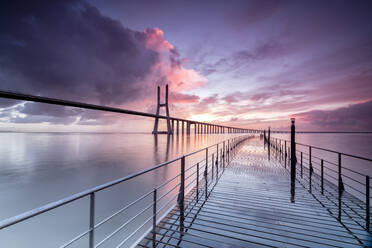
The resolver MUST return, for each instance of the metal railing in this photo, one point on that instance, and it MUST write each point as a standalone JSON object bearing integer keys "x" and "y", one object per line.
{"x": 216, "y": 158}
{"x": 339, "y": 179}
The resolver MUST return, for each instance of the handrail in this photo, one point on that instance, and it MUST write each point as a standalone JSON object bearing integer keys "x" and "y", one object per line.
{"x": 329, "y": 150}
{"x": 37, "y": 211}
{"x": 18, "y": 218}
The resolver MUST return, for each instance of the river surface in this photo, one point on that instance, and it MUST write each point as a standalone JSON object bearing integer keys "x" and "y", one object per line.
{"x": 38, "y": 168}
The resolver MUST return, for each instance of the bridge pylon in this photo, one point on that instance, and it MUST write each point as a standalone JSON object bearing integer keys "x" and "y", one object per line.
{"x": 159, "y": 105}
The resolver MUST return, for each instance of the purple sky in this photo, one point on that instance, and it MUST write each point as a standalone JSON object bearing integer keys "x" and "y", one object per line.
{"x": 243, "y": 63}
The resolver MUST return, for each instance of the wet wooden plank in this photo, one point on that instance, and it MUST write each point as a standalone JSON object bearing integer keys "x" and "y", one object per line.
{"x": 250, "y": 206}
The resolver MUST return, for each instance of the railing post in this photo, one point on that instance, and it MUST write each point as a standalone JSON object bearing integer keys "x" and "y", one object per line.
{"x": 221, "y": 159}
{"x": 293, "y": 160}
{"x": 212, "y": 166}
{"x": 181, "y": 200}
{"x": 367, "y": 204}
{"x": 285, "y": 154}
{"x": 224, "y": 155}
{"x": 154, "y": 219}
{"x": 276, "y": 148}
{"x": 322, "y": 176}
{"x": 280, "y": 151}
{"x": 91, "y": 219}
{"x": 228, "y": 150}
{"x": 217, "y": 163}
{"x": 339, "y": 186}
{"x": 197, "y": 182}
{"x": 216, "y": 169}
{"x": 301, "y": 166}
{"x": 310, "y": 169}
{"x": 206, "y": 173}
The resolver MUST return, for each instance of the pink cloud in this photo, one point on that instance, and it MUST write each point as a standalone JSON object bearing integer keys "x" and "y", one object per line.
{"x": 176, "y": 97}
{"x": 155, "y": 40}
{"x": 169, "y": 68}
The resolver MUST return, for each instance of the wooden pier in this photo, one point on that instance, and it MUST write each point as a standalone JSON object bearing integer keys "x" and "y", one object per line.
{"x": 249, "y": 205}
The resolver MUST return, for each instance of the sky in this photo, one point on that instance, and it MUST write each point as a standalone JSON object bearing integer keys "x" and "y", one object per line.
{"x": 249, "y": 64}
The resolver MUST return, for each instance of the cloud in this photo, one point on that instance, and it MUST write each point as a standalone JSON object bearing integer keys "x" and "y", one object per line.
{"x": 267, "y": 50}
{"x": 355, "y": 117}
{"x": 7, "y": 102}
{"x": 176, "y": 97}
{"x": 252, "y": 12}
{"x": 69, "y": 50}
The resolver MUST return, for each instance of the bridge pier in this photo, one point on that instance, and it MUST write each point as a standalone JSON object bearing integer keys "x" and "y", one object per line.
{"x": 182, "y": 124}
{"x": 159, "y": 105}
{"x": 178, "y": 126}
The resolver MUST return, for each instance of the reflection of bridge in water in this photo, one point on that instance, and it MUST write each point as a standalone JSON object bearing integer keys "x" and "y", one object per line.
{"x": 247, "y": 191}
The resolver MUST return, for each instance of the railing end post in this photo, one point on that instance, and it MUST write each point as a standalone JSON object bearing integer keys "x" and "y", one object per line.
{"x": 91, "y": 219}
{"x": 367, "y": 203}
{"x": 154, "y": 218}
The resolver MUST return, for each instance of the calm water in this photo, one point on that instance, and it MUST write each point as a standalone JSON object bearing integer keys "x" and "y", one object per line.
{"x": 37, "y": 168}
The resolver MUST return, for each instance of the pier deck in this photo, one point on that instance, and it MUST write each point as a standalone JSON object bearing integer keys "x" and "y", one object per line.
{"x": 250, "y": 206}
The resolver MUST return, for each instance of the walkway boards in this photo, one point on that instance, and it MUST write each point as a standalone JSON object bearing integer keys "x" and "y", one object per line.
{"x": 250, "y": 207}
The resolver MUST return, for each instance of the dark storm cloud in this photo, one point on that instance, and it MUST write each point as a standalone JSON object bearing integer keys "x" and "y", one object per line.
{"x": 49, "y": 110}
{"x": 67, "y": 49}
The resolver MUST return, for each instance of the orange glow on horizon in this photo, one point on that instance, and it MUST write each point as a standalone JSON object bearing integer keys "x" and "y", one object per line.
{"x": 204, "y": 117}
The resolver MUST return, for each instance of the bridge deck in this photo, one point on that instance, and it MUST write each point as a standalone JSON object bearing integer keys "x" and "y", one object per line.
{"x": 250, "y": 206}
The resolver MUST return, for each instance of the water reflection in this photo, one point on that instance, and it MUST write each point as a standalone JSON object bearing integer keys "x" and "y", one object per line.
{"x": 39, "y": 168}
{"x": 169, "y": 138}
